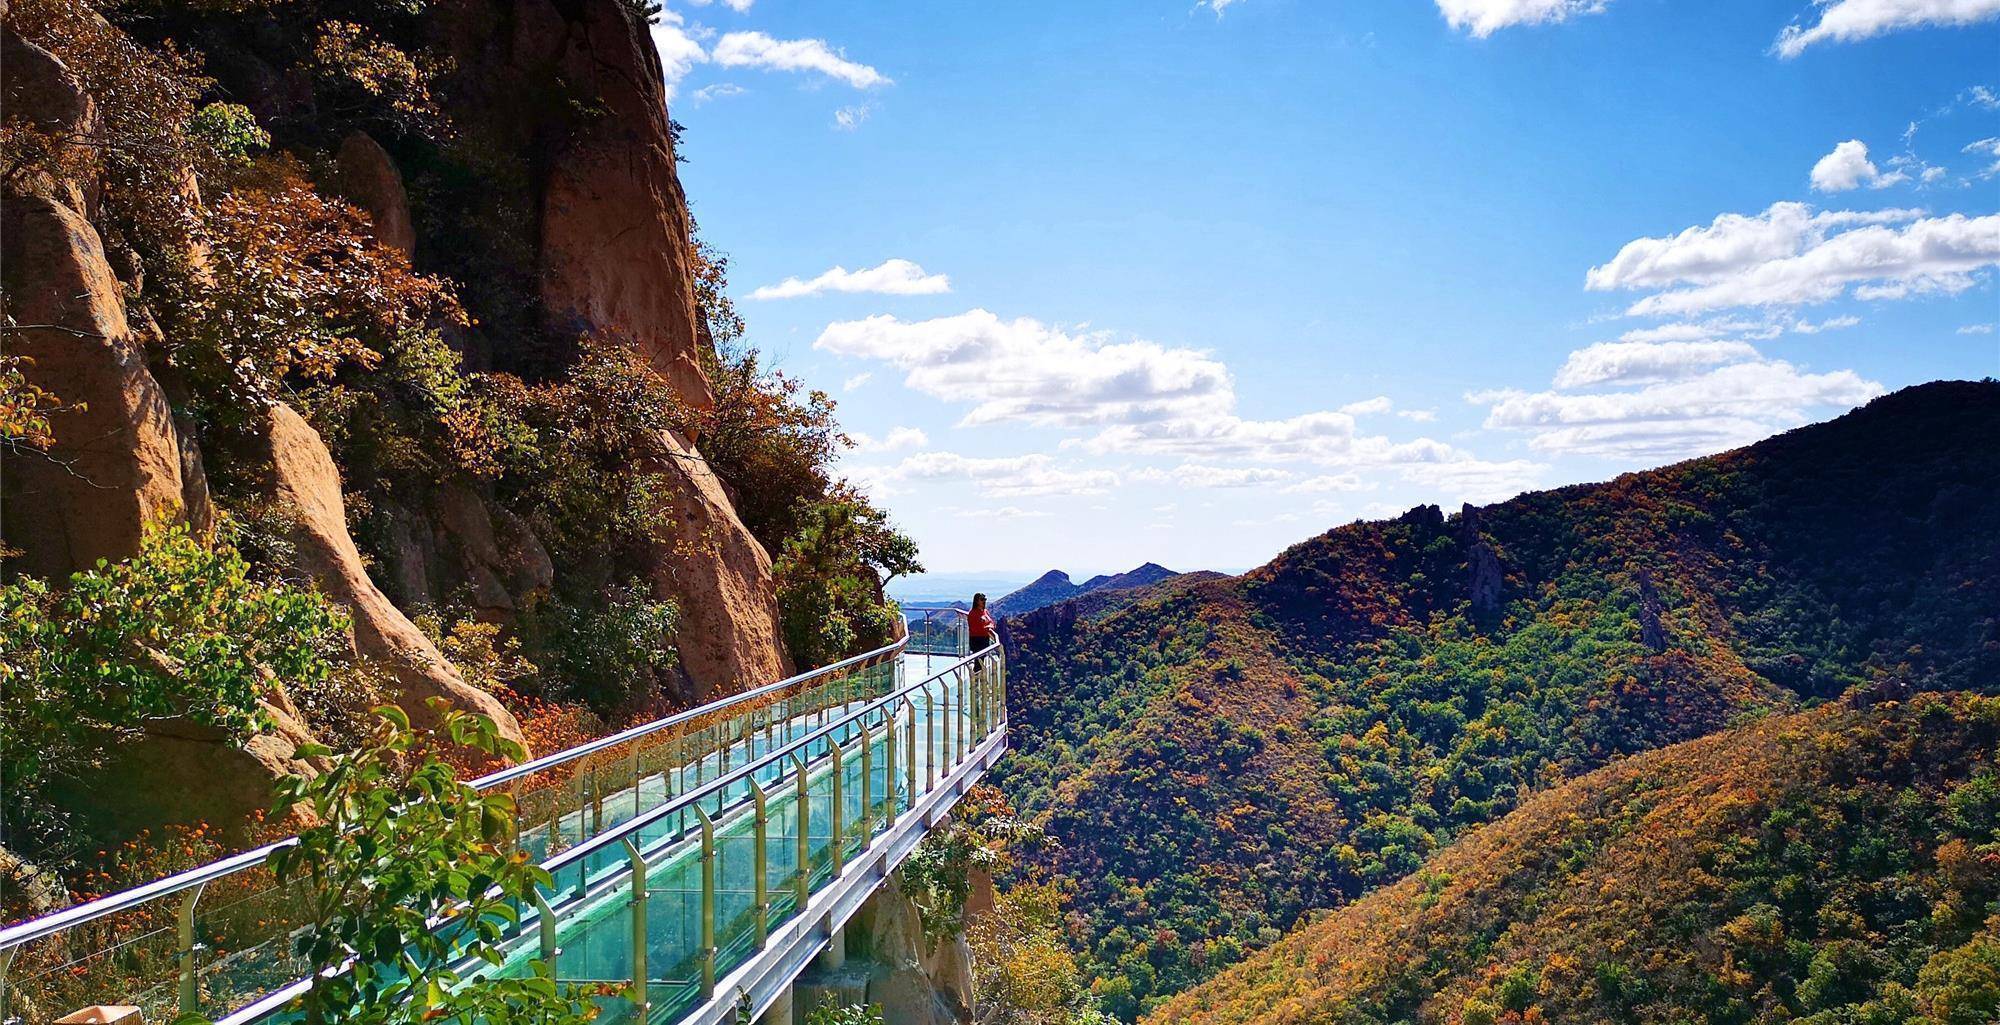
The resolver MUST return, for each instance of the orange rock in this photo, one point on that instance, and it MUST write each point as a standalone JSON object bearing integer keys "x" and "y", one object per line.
{"x": 306, "y": 484}
{"x": 369, "y": 180}
{"x": 116, "y": 462}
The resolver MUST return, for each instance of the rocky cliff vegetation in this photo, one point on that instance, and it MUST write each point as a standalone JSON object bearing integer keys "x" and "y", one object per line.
{"x": 385, "y": 324}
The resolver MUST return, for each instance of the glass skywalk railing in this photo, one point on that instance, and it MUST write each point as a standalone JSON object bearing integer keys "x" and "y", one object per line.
{"x": 665, "y": 903}
{"x": 936, "y": 630}
{"x": 215, "y": 938}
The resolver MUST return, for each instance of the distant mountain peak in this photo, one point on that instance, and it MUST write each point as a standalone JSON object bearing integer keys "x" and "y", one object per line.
{"x": 1056, "y": 586}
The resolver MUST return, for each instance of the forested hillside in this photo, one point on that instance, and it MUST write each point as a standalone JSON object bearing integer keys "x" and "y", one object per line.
{"x": 1219, "y": 761}
{"x": 1827, "y": 867}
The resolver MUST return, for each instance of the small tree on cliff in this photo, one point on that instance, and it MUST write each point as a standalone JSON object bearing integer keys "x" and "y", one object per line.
{"x": 829, "y": 594}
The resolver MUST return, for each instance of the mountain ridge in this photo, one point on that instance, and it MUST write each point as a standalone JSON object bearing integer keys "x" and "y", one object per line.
{"x": 1056, "y": 586}
{"x": 1220, "y": 759}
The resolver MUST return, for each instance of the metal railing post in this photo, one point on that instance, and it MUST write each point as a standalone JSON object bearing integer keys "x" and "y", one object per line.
{"x": 184, "y": 933}
{"x": 973, "y": 701}
{"x": 596, "y": 790}
{"x": 545, "y": 922}
{"x": 707, "y": 905}
{"x": 637, "y": 806}
{"x": 889, "y": 766}
{"x": 867, "y": 822}
{"x": 802, "y": 884}
{"x": 951, "y": 707}
{"x": 641, "y": 978}
{"x": 513, "y": 842}
{"x": 933, "y": 750}
{"x": 839, "y": 812}
{"x": 6, "y": 963}
{"x": 762, "y": 907}
{"x": 962, "y": 718}
{"x": 910, "y": 736}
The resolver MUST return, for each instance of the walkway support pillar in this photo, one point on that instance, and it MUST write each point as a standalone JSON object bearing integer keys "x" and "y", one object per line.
{"x": 780, "y": 1011}
{"x": 834, "y": 957}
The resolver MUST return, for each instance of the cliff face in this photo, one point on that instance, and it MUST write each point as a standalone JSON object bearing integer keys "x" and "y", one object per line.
{"x": 572, "y": 93}
{"x": 614, "y": 259}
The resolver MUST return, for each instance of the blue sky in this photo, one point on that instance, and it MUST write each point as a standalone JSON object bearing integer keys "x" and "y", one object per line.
{"x": 1102, "y": 283}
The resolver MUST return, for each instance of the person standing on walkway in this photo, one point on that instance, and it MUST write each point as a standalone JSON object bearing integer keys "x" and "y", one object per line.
{"x": 979, "y": 624}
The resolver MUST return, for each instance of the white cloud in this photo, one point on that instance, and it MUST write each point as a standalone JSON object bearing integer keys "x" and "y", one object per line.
{"x": 1003, "y": 512}
{"x": 757, "y": 50}
{"x": 896, "y": 440}
{"x": 1628, "y": 363}
{"x": 1976, "y": 329}
{"x": 1692, "y": 415}
{"x": 1422, "y": 416}
{"x": 1990, "y": 148}
{"x": 1026, "y": 371}
{"x": 739, "y": 6}
{"x": 856, "y": 381}
{"x": 891, "y": 277}
{"x": 679, "y": 51}
{"x": 1139, "y": 398}
{"x": 1320, "y": 437}
{"x": 1482, "y": 18}
{"x": 1848, "y": 167}
{"x": 1474, "y": 480}
{"x": 1218, "y": 6}
{"x": 1807, "y": 327}
{"x": 718, "y": 91}
{"x": 1982, "y": 97}
{"x": 1197, "y": 475}
{"x": 1789, "y": 255}
{"x": 848, "y": 119}
{"x": 1846, "y": 21}
{"x": 1698, "y": 330}
{"x": 1011, "y": 476}
{"x": 1274, "y": 519}
{"x": 1329, "y": 482}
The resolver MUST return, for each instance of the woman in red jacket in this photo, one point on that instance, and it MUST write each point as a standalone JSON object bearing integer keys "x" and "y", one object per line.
{"x": 979, "y": 624}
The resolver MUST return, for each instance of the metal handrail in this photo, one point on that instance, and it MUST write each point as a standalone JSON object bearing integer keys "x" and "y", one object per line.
{"x": 621, "y": 835}
{"x": 508, "y": 775}
{"x": 721, "y": 783}
{"x": 23, "y": 933}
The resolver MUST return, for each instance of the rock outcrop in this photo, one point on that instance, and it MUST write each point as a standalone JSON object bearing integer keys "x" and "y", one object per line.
{"x": 720, "y": 578}
{"x": 36, "y": 87}
{"x": 1483, "y": 574}
{"x": 891, "y": 965}
{"x": 369, "y": 180}
{"x": 180, "y": 772}
{"x": 614, "y": 257}
{"x": 914, "y": 981}
{"x": 116, "y": 463}
{"x": 1652, "y": 611}
{"x": 306, "y": 485}
{"x": 616, "y": 261}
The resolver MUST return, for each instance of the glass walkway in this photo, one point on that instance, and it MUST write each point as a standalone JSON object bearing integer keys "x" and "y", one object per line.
{"x": 696, "y": 860}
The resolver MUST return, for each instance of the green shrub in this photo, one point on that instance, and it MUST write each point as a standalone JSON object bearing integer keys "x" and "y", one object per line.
{"x": 180, "y": 629}
{"x": 391, "y": 854}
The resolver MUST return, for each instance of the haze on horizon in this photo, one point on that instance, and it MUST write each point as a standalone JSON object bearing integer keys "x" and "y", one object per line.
{"x": 1189, "y": 284}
